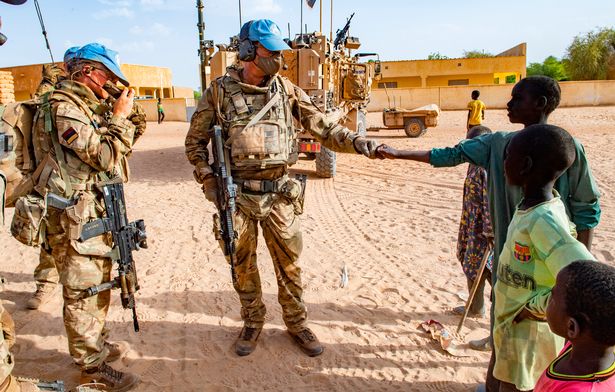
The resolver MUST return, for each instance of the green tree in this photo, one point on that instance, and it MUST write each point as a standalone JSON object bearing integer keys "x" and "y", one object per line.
{"x": 474, "y": 54}
{"x": 437, "y": 56}
{"x": 551, "y": 67}
{"x": 591, "y": 56}
{"x": 197, "y": 95}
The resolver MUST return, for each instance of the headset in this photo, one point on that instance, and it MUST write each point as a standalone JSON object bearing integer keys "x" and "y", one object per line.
{"x": 247, "y": 49}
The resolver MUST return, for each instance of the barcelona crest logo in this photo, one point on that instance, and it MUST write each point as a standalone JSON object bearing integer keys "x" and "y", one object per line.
{"x": 522, "y": 253}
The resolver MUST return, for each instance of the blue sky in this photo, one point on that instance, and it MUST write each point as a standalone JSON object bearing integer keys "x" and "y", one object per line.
{"x": 163, "y": 32}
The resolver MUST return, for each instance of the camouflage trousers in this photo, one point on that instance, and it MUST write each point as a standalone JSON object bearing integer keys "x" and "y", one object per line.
{"x": 45, "y": 272}
{"x": 281, "y": 230}
{"x": 84, "y": 318}
{"x": 7, "y": 337}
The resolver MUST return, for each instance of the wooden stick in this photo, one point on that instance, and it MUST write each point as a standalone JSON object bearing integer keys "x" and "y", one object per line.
{"x": 475, "y": 285}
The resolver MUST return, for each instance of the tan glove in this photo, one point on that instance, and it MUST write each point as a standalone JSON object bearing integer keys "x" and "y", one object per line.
{"x": 137, "y": 117}
{"x": 52, "y": 73}
{"x": 210, "y": 188}
{"x": 366, "y": 147}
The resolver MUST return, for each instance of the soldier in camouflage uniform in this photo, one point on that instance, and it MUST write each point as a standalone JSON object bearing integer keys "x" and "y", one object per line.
{"x": 84, "y": 140}
{"x": 8, "y": 383}
{"x": 263, "y": 144}
{"x": 45, "y": 274}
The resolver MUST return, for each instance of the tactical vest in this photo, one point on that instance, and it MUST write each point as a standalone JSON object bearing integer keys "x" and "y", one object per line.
{"x": 259, "y": 126}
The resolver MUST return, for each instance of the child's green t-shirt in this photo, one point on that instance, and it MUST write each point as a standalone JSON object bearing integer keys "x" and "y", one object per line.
{"x": 540, "y": 242}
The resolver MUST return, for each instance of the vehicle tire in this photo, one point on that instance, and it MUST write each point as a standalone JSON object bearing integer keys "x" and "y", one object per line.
{"x": 325, "y": 163}
{"x": 361, "y": 124}
{"x": 414, "y": 127}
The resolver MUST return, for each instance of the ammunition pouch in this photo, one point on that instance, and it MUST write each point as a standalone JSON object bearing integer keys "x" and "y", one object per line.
{"x": 29, "y": 224}
{"x": 261, "y": 145}
{"x": 294, "y": 191}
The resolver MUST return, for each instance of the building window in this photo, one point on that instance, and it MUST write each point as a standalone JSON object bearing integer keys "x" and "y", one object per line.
{"x": 387, "y": 85}
{"x": 511, "y": 79}
{"x": 459, "y": 82}
{"x": 496, "y": 80}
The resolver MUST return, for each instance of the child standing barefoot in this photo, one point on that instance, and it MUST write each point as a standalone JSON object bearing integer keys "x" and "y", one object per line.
{"x": 475, "y": 231}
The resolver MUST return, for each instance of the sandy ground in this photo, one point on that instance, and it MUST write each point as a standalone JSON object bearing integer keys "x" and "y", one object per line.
{"x": 393, "y": 223}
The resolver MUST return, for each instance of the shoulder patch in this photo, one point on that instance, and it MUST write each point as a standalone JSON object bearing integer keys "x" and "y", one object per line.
{"x": 522, "y": 253}
{"x": 70, "y": 135}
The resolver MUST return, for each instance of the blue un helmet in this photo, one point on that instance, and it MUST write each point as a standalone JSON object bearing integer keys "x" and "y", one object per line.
{"x": 99, "y": 53}
{"x": 268, "y": 34}
{"x": 69, "y": 56}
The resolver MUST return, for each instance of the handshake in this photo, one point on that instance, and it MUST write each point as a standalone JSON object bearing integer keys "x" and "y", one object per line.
{"x": 373, "y": 150}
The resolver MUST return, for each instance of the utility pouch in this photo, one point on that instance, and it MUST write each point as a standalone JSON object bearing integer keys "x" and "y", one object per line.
{"x": 28, "y": 224}
{"x": 294, "y": 191}
{"x": 256, "y": 143}
{"x": 78, "y": 215}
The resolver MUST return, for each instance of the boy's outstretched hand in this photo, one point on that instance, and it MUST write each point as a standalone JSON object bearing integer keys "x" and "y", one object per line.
{"x": 388, "y": 152}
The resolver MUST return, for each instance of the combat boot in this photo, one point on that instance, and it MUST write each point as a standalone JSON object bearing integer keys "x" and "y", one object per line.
{"x": 42, "y": 295}
{"x": 117, "y": 350}
{"x": 114, "y": 380}
{"x": 308, "y": 342}
{"x": 246, "y": 342}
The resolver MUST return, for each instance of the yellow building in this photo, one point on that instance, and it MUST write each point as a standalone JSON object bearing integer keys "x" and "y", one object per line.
{"x": 148, "y": 81}
{"x": 508, "y": 66}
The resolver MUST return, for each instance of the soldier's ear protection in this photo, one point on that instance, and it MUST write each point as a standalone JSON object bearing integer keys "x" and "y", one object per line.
{"x": 247, "y": 49}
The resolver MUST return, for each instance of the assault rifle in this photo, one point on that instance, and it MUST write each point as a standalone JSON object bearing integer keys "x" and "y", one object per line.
{"x": 226, "y": 197}
{"x": 127, "y": 237}
{"x": 57, "y": 386}
{"x": 340, "y": 35}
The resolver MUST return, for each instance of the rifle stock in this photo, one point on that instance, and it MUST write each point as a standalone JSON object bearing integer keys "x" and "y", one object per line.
{"x": 226, "y": 196}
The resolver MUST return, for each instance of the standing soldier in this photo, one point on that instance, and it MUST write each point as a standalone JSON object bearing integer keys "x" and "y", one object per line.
{"x": 256, "y": 108}
{"x": 45, "y": 273}
{"x": 83, "y": 140}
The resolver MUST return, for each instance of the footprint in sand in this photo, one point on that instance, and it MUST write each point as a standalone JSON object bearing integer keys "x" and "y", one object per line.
{"x": 607, "y": 256}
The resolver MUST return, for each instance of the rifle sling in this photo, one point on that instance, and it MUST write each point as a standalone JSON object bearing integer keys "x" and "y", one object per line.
{"x": 46, "y": 106}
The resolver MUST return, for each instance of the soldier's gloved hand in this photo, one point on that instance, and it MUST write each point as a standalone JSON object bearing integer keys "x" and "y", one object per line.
{"x": 210, "y": 188}
{"x": 366, "y": 147}
{"x": 51, "y": 73}
{"x": 138, "y": 119}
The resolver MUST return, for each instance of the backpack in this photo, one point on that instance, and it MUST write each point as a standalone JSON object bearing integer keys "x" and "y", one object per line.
{"x": 19, "y": 165}
{"x": 26, "y": 182}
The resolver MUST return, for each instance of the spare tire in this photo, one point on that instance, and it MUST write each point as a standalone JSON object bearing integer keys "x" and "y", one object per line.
{"x": 414, "y": 126}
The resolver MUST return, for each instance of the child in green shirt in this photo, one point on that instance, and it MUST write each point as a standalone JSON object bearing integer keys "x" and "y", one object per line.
{"x": 541, "y": 241}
